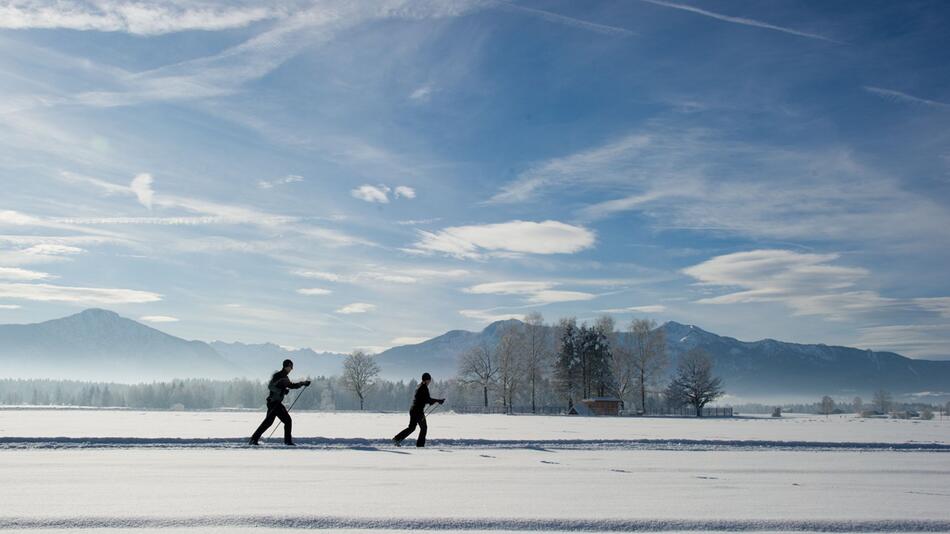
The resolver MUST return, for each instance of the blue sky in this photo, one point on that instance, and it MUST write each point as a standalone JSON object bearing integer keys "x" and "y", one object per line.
{"x": 359, "y": 175}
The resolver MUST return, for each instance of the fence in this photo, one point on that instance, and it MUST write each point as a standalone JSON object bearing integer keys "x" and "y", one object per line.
{"x": 686, "y": 411}
{"x": 511, "y": 410}
{"x": 689, "y": 411}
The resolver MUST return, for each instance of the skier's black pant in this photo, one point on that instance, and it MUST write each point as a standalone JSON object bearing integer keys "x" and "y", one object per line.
{"x": 274, "y": 410}
{"x": 415, "y": 419}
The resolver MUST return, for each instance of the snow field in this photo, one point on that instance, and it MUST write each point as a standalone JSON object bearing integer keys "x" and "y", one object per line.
{"x": 474, "y": 476}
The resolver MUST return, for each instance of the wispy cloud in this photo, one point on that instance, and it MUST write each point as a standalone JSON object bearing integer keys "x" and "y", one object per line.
{"x": 270, "y": 184}
{"x": 513, "y": 237}
{"x": 898, "y": 96}
{"x": 594, "y": 165}
{"x": 914, "y": 340}
{"x": 704, "y": 181}
{"x": 417, "y": 222}
{"x": 357, "y": 307}
{"x": 10, "y": 306}
{"x": 158, "y": 319}
{"x": 404, "y": 191}
{"x": 422, "y": 94}
{"x": 740, "y": 20}
{"x": 319, "y": 275}
{"x": 567, "y": 21}
{"x": 14, "y": 273}
{"x": 380, "y": 193}
{"x": 81, "y": 295}
{"x": 809, "y": 284}
{"x": 141, "y": 186}
{"x": 314, "y": 291}
{"x": 533, "y": 292}
{"x": 653, "y": 308}
{"x": 210, "y": 212}
{"x": 131, "y": 17}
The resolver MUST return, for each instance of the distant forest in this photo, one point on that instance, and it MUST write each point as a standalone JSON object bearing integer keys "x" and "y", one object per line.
{"x": 325, "y": 393}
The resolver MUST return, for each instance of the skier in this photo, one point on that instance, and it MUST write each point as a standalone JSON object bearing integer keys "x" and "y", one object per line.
{"x": 417, "y": 415}
{"x": 278, "y": 386}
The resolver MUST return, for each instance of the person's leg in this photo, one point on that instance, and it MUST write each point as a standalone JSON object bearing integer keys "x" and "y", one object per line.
{"x": 421, "y": 441}
{"x": 408, "y": 430}
{"x": 268, "y": 421}
{"x": 284, "y": 417}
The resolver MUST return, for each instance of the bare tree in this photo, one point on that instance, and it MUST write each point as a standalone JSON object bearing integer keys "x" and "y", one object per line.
{"x": 509, "y": 358}
{"x": 694, "y": 383}
{"x": 621, "y": 365}
{"x": 648, "y": 347}
{"x": 883, "y": 400}
{"x": 827, "y": 405}
{"x": 857, "y": 405}
{"x": 478, "y": 366}
{"x": 535, "y": 355}
{"x": 359, "y": 373}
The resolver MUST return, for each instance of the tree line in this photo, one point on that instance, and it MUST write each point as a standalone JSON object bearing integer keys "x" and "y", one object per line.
{"x": 582, "y": 361}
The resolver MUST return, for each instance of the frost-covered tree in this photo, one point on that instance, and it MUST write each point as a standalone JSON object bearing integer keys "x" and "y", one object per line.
{"x": 694, "y": 383}
{"x": 883, "y": 400}
{"x": 510, "y": 359}
{"x": 536, "y": 355}
{"x": 648, "y": 355}
{"x": 857, "y": 405}
{"x": 827, "y": 405}
{"x": 478, "y": 366}
{"x": 359, "y": 372}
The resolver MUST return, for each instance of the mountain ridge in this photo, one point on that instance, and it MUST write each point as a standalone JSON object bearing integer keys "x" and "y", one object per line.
{"x": 102, "y": 344}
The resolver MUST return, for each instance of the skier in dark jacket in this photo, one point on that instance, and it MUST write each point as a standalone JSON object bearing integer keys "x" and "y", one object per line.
{"x": 417, "y": 415}
{"x": 279, "y": 386}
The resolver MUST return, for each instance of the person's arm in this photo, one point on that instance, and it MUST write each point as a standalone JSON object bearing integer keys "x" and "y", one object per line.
{"x": 295, "y": 385}
{"x": 429, "y": 400}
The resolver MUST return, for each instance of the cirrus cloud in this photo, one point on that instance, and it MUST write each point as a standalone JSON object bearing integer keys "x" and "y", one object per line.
{"x": 313, "y": 291}
{"x": 500, "y": 239}
{"x": 80, "y": 295}
{"x": 158, "y": 319}
{"x": 357, "y": 307}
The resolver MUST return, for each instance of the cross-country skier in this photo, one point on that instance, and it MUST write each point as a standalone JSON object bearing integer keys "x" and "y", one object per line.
{"x": 279, "y": 386}
{"x": 417, "y": 415}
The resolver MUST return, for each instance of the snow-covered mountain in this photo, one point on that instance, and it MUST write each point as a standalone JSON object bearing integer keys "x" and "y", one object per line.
{"x": 770, "y": 367}
{"x": 101, "y": 345}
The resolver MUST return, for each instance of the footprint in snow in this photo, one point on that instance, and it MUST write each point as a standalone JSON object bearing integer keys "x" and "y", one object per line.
{"x": 548, "y": 462}
{"x": 620, "y": 471}
{"x": 486, "y": 456}
{"x": 708, "y": 478}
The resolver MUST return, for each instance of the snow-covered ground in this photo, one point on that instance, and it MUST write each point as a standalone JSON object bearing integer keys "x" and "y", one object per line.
{"x": 481, "y": 473}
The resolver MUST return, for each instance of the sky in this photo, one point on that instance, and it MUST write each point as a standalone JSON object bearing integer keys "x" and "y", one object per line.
{"x": 360, "y": 175}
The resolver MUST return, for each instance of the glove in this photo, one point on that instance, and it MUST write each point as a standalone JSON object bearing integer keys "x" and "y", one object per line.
{"x": 441, "y": 401}
{"x": 306, "y": 382}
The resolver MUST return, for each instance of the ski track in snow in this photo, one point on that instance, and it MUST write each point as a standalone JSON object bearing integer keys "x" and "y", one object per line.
{"x": 471, "y": 524}
{"x": 14, "y": 443}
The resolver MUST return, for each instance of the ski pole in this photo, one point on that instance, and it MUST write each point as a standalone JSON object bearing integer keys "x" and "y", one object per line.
{"x": 434, "y": 408}
{"x": 288, "y": 411}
